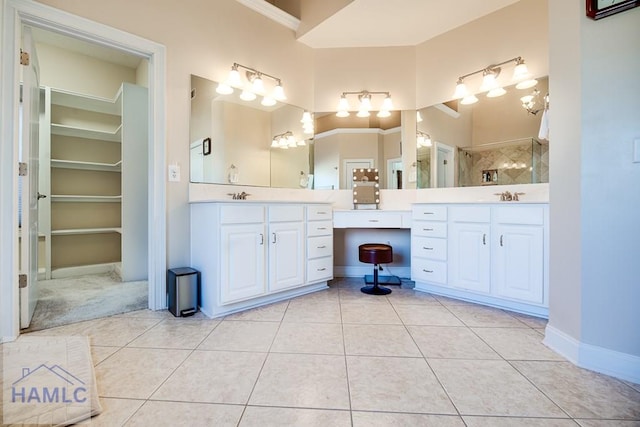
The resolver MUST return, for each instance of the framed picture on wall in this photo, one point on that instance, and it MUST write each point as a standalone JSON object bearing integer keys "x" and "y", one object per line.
{"x": 597, "y": 9}
{"x": 206, "y": 146}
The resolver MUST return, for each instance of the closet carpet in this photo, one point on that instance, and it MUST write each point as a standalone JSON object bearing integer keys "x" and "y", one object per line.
{"x": 74, "y": 299}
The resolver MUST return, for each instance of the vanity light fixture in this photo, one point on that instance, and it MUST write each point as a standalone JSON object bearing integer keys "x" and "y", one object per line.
{"x": 490, "y": 82}
{"x": 252, "y": 85}
{"x": 365, "y": 106}
{"x": 423, "y": 139}
{"x": 533, "y": 104}
{"x": 286, "y": 140}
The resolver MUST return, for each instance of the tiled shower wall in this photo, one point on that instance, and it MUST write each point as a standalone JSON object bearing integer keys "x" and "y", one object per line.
{"x": 524, "y": 163}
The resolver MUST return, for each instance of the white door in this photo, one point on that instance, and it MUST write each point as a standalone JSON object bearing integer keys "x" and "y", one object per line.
{"x": 469, "y": 256}
{"x": 349, "y": 166}
{"x": 242, "y": 262}
{"x": 443, "y": 170}
{"x": 394, "y": 174}
{"x": 286, "y": 255}
{"x": 29, "y": 131}
{"x": 518, "y": 256}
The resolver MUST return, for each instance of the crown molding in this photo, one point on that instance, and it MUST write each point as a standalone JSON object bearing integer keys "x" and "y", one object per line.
{"x": 270, "y": 11}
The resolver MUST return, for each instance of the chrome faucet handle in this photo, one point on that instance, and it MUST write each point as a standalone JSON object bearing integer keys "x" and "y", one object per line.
{"x": 516, "y": 197}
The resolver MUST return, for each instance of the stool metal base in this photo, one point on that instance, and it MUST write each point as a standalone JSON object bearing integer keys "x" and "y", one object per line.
{"x": 375, "y": 290}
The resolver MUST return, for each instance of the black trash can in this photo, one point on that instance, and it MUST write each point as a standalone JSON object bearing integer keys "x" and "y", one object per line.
{"x": 183, "y": 285}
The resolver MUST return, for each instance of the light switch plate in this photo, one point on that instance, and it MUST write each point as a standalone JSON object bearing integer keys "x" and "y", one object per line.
{"x": 174, "y": 173}
{"x": 636, "y": 150}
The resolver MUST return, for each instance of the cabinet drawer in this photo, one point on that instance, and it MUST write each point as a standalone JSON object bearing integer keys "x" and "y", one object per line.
{"x": 319, "y": 212}
{"x": 529, "y": 215}
{"x": 318, "y": 247}
{"x": 470, "y": 214}
{"x": 429, "y": 212}
{"x": 429, "y": 229}
{"x": 319, "y": 228}
{"x": 319, "y": 269}
{"x": 286, "y": 213}
{"x": 427, "y": 247}
{"x": 241, "y": 214}
{"x": 425, "y": 270}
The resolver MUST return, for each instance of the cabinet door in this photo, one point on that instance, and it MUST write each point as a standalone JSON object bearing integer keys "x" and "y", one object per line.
{"x": 286, "y": 255}
{"x": 469, "y": 256}
{"x": 518, "y": 262}
{"x": 242, "y": 262}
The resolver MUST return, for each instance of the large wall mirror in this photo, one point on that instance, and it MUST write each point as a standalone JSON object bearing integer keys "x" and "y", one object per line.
{"x": 342, "y": 144}
{"x": 494, "y": 141}
{"x": 245, "y": 143}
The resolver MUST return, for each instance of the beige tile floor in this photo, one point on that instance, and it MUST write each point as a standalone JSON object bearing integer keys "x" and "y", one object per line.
{"x": 342, "y": 358}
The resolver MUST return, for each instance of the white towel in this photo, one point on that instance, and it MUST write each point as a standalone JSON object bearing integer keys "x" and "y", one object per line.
{"x": 543, "y": 133}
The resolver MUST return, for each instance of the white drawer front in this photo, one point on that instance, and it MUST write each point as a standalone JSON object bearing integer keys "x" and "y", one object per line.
{"x": 318, "y": 247}
{"x": 429, "y": 212}
{"x": 319, "y": 212}
{"x": 286, "y": 213}
{"x": 241, "y": 214}
{"x": 470, "y": 214}
{"x": 319, "y": 228}
{"x": 320, "y": 269}
{"x": 529, "y": 215}
{"x": 425, "y": 270}
{"x": 427, "y": 247}
{"x": 429, "y": 229}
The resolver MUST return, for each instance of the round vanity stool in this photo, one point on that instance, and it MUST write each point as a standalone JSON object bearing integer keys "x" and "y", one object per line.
{"x": 375, "y": 253}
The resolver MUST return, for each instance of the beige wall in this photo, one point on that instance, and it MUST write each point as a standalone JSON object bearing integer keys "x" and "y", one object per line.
{"x": 205, "y": 39}
{"x": 517, "y": 30}
{"x": 63, "y": 69}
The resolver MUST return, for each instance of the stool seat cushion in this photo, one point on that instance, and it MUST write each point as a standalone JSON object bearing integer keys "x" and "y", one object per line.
{"x": 375, "y": 253}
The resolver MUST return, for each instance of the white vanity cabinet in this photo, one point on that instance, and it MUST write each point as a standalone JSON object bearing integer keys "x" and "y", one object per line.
{"x": 470, "y": 248}
{"x": 286, "y": 246}
{"x": 319, "y": 243}
{"x": 496, "y": 254}
{"x": 429, "y": 244}
{"x": 250, "y": 254}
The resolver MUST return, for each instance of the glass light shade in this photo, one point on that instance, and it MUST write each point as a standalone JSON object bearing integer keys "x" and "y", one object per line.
{"x": 274, "y": 143}
{"x": 247, "y": 95}
{"x": 363, "y": 113}
{"x": 342, "y": 113}
{"x": 234, "y": 78}
{"x": 468, "y": 100}
{"x": 306, "y": 117}
{"x": 224, "y": 89}
{"x": 383, "y": 113}
{"x": 257, "y": 85}
{"x": 418, "y": 117}
{"x": 343, "y": 104}
{"x": 302, "y": 143}
{"x": 284, "y": 147}
{"x": 520, "y": 71}
{"x": 267, "y": 101}
{"x": 494, "y": 93}
{"x": 282, "y": 142}
{"x": 427, "y": 142}
{"x": 488, "y": 82}
{"x": 387, "y": 104}
{"x": 526, "y": 84}
{"x": 365, "y": 103}
{"x": 461, "y": 91}
{"x": 278, "y": 92}
{"x": 526, "y": 99}
{"x": 420, "y": 141}
{"x": 307, "y": 130}
{"x": 292, "y": 142}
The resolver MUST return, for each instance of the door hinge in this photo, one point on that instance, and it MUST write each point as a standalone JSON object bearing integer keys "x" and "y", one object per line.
{"x": 22, "y": 280}
{"x": 24, "y": 57}
{"x": 22, "y": 169}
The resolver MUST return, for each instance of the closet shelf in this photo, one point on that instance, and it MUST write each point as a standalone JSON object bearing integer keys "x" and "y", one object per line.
{"x": 79, "y": 198}
{"x": 64, "y": 130}
{"x": 93, "y": 166}
{"x": 75, "y": 231}
{"x": 84, "y": 102}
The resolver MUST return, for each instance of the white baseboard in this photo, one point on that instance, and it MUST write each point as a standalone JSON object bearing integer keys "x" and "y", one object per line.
{"x": 609, "y": 362}
{"x": 358, "y": 271}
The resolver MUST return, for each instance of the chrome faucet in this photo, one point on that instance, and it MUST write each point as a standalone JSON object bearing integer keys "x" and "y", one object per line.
{"x": 239, "y": 196}
{"x": 506, "y": 196}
